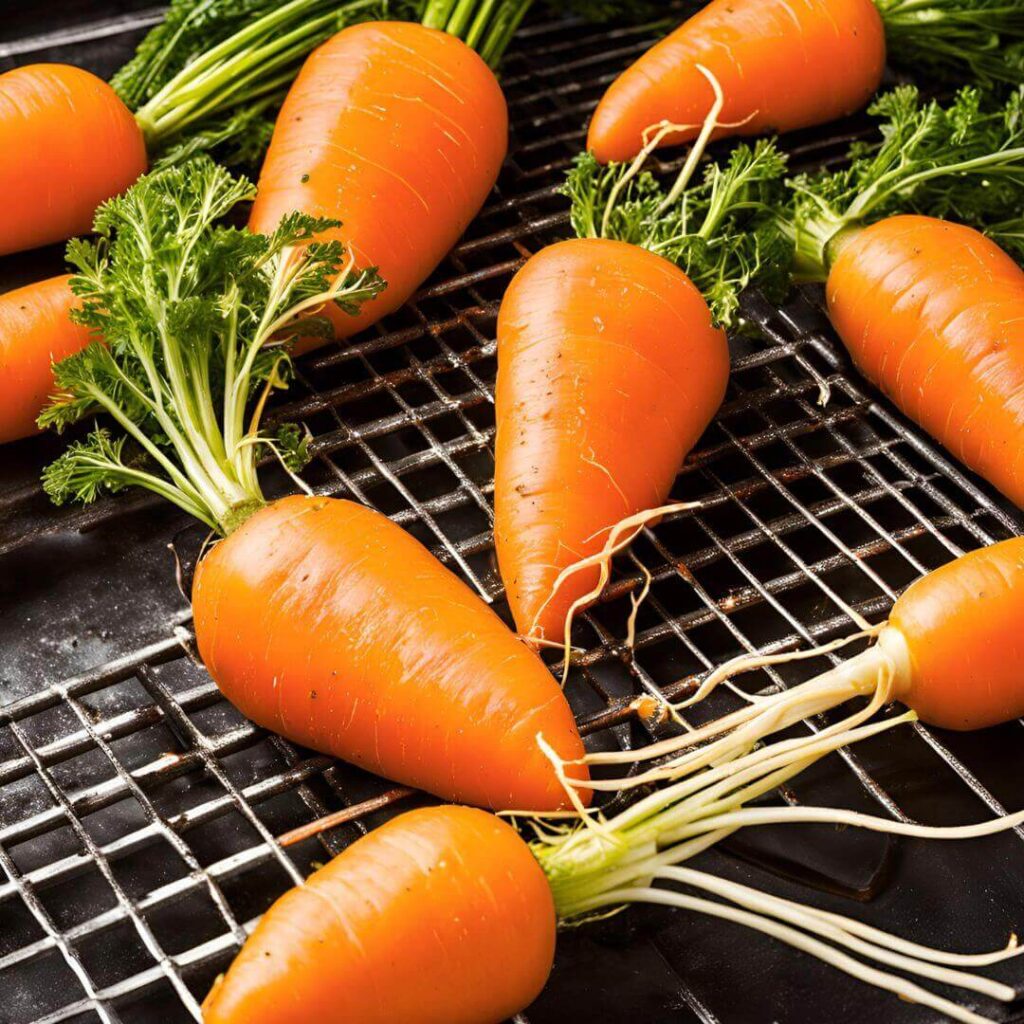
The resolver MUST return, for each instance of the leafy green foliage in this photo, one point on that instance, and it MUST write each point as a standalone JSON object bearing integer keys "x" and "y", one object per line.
{"x": 194, "y": 315}
{"x": 87, "y": 469}
{"x": 964, "y": 161}
{"x": 957, "y": 40}
{"x": 720, "y": 231}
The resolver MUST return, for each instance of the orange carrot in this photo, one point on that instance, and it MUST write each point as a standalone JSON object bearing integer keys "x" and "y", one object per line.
{"x": 318, "y": 618}
{"x": 326, "y": 622}
{"x": 961, "y": 625}
{"x": 931, "y": 313}
{"x": 441, "y": 916}
{"x": 397, "y": 130}
{"x": 69, "y": 143}
{"x": 782, "y": 64}
{"x": 445, "y": 916}
{"x": 609, "y": 370}
{"x": 35, "y": 332}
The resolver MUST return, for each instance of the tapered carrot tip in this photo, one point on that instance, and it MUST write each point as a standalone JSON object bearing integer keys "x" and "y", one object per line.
{"x": 35, "y": 332}
{"x": 327, "y": 623}
{"x": 397, "y": 130}
{"x": 609, "y": 370}
{"x": 69, "y": 143}
{"x": 441, "y": 916}
{"x": 781, "y": 66}
{"x": 962, "y": 628}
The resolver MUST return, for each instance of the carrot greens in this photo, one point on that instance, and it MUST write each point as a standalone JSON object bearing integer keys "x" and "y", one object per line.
{"x": 717, "y": 229}
{"x": 980, "y": 40}
{"x": 964, "y": 161}
{"x": 195, "y": 317}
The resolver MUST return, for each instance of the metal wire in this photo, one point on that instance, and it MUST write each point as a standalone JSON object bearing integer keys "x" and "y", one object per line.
{"x": 808, "y": 511}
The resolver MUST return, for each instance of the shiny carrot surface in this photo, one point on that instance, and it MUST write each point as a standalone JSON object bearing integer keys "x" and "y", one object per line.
{"x": 782, "y": 65}
{"x": 397, "y": 130}
{"x": 931, "y": 312}
{"x": 441, "y": 916}
{"x": 35, "y": 332}
{"x": 326, "y": 622}
{"x": 68, "y": 143}
{"x": 962, "y": 625}
{"x": 609, "y": 370}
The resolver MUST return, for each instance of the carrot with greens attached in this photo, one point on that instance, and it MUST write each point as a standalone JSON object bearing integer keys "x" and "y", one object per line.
{"x": 445, "y": 916}
{"x": 612, "y": 361}
{"x": 319, "y": 618}
{"x": 35, "y": 332}
{"x": 788, "y": 64}
{"x": 929, "y": 309}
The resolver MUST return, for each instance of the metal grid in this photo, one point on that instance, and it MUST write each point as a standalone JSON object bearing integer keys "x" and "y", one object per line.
{"x": 138, "y": 810}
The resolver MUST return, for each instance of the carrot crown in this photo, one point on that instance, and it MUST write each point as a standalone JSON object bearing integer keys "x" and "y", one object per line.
{"x": 720, "y": 230}
{"x": 964, "y": 161}
{"x": 979, "y": 40}
{"x": 195, "y": 317}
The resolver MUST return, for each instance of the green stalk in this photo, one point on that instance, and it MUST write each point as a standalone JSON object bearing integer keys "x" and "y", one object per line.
{"x": 486, "y": 25}
{"x": 959, "y": 40}
{"x": 257, "y": 59}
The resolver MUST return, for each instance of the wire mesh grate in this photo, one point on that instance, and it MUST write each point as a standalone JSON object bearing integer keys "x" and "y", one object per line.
{"x": 138, "y": 810}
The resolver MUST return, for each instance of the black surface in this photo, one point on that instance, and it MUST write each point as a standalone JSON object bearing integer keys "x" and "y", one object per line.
{"x": 90, "y": 600}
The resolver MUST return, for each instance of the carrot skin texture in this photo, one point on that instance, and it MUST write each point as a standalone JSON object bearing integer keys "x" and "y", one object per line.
{"x": 782, "y": 65}
{"x": 326, "y": 622}
{"x": 440, "y": 916}
{"x": 931, "y": 313}
{"x": 69, "y": 144}
{"x": 609, "y": 370}
{"x": 35, "y": 333}
{"x": 397, "y": 130}
{"x": 962, "y": 625}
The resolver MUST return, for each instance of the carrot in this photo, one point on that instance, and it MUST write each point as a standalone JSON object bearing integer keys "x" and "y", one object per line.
{"x": 600, "y": 344}
{"x": 612, "y": 361}
{"x": 930, "y": 312}
{"x": 441, "y": 916}
{"x": 788, "y": 64}
{"x": 928, "y": 308}
{"x": 76, "y": 144}
{"x": 399, "y": 131}
{"x": 319, "y": 618}
{"x": 35, "y": 332}
{"x": 782, "y": 65}
{"x": 324, "y": 621}
{"x": 445, "y": 916}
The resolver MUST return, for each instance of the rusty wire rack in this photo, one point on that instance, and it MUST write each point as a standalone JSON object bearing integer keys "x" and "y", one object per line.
{"x": 138, "y": 810}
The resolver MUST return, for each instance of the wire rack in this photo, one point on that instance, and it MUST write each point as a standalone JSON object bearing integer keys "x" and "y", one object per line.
{"x": 138, "y": 810}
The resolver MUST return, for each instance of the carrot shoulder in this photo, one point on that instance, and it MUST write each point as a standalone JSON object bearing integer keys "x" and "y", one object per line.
{"x": 69, "y": 143}
{"x": 782, "y": 64}
{"x": 397, "y": 130}
{"x": 931, "y": 313}
{"x": 35, "y": 332}
{"x": 326, "y": 622}
{"x": 440, "y": 916}
{"x": 609, "y": 370}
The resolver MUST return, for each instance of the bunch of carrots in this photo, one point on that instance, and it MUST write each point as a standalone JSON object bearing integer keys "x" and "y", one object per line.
{"x": 177, "y": 326}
